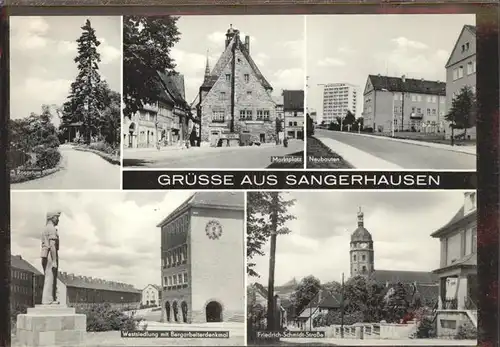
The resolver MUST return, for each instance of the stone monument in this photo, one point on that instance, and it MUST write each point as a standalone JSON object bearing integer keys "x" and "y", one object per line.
{"x": 52, "y": 323}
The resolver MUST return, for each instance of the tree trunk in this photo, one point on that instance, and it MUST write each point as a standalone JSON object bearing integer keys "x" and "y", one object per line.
{"x": 272, "y": 262}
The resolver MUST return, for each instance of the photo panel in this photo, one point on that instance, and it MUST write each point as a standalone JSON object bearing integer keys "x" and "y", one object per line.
{"x": 128, "y": 268}
{"x": 362, "y": 268}
{"x": 214, "y": 92}
{"x": 385, "y": 92}
{"x": 65, "y": 96}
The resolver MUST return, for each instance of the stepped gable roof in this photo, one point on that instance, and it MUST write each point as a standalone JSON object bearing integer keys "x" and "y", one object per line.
{"x": 293, "y": 100}
{"x": 17, "y": 262}
{"x": 71, "y": 280}
{"x": 225, "y": 58}
{"x": 417, "y": 86}
{"x": 456, "y": 219}
{"x": 404, "y": 277}
{"x": 361, "y": 234}
{"x": 224, "y": 200}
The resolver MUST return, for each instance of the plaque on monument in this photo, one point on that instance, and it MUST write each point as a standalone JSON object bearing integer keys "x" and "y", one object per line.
{"x": 51, "y": 323}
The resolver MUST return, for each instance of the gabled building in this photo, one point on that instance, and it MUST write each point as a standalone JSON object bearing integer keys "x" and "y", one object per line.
{"x": 26, "y": 284}
{"x": 151, "y": 295}
{"x": 202, "y": 255}
{"x": 164, "y": 122}
{"x": 413, "y": 104}
{"x": 293, "y": 108}
{"x": 461, "y": 70}
{"x": 458, "y": 291}
{"x": 235, "y": 98}
{"x": 322, "y": 303}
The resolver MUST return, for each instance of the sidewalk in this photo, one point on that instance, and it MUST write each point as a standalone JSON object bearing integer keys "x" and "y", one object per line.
{"x": 471, "y": 150}
{"x": 203, "y": 147}
{"x": 358, "y": 159}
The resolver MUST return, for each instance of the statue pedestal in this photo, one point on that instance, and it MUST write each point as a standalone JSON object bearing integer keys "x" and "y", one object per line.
{"x": 51, "y": 325}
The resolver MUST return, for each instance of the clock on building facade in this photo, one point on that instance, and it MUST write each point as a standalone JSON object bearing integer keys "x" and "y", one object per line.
{"x": 213, "y": 229}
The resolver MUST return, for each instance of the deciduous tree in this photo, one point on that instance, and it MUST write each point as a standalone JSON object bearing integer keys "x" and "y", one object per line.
{"x": 147, "y": 48}
{"x": 259, "y": 227}
{"x": 462, "y": 114}
{"x": 306, "y": 290}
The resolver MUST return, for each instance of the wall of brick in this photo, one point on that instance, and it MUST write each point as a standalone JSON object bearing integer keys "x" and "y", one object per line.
{"x": 218, "y": 270}
{"x": 258, "y": 99}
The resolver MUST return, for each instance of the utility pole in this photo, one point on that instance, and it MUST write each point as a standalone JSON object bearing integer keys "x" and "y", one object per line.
{"x": 272, "y": 263}
{"x": 342, "y": 308}
{"x": 403, "y": 79}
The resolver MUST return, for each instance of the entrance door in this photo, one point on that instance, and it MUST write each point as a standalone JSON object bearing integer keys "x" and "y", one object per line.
{"x": 214, "y": 312}
{"x": 262, "y": 138}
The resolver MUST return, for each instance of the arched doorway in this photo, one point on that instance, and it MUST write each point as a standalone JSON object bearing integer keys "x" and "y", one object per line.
{"x": 176, "y": 311}
{"x": 213, "y": 312}
{"x": 184, "y": 309}
{"x": 131, "y": 131}
{"x": 167, "y": 310}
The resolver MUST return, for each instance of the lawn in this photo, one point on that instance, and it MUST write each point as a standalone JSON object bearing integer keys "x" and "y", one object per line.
{"x": 320, "y": 156}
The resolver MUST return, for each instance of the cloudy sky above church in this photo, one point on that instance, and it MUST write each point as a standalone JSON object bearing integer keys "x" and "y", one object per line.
{"x": 349, "y": 48}
{"x": 41, "y": 59}
{"x": 107, "y": 235}
{"x": 276, "y": 45}
{"x": 400, "y": 224}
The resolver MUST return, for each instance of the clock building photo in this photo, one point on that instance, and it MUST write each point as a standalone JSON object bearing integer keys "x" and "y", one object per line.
{"x": 202, "y": 254}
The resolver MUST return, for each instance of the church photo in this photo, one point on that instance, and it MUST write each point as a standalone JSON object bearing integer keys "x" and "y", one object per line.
{"x": 229, "y": 94}
{"x": 383, "y": 267}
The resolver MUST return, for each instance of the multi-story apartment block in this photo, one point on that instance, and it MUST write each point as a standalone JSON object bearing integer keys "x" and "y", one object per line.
{"x": 293, "y": 107}
{"x": 461, "y": 69}
{"x": 413, "y": 104}
{"x": 338, "y": 98}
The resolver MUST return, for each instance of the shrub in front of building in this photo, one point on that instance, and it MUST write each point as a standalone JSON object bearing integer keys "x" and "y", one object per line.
{"x": 47, "y": 157}
{"x": 102, "y": 317}
{"x": 466, "y": 331}
{"x": 426, "y": 328}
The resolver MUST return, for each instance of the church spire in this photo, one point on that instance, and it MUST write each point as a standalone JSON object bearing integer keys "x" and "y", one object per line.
{"x": 360, "y": 217}
{"x": 207, "y": 68}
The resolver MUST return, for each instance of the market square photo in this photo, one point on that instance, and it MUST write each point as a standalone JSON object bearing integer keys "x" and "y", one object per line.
{"x": 214, "y": 92}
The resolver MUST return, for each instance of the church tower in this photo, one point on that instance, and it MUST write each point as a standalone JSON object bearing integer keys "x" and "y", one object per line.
{"x": 362, "y": 257}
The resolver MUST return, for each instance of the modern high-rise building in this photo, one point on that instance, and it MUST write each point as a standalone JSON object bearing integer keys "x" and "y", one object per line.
{"x": 338, "y": 98}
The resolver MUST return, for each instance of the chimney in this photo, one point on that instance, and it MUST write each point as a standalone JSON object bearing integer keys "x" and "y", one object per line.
{"x": 247, "y": 43}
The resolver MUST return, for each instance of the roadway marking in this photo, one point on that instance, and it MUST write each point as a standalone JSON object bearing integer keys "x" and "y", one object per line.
{"x": 357, "y": 158}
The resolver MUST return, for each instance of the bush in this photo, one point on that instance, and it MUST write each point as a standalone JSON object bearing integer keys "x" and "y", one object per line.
{"x": 426, "y": 328}
{"x": 14, "y": 312}
{"x": 104, "y": 318}
{"x": 47, "y": 158}
{"x": 466, "y": 331}
{"x": 104, "y": 147}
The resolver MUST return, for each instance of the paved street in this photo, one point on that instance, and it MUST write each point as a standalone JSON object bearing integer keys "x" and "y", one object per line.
{"x": 396, "y": 154}
{"x": 81, "y": 170}
{"x": 248, "y": 157}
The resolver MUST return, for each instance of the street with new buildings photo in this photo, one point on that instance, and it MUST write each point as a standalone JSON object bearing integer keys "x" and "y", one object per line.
{"x": 65, "y": 117}
{"x": 393, "y": 92}
{"x": 362, "y": 268}
{"x": 90, "y": 268}
{"x": 213, "y": 92}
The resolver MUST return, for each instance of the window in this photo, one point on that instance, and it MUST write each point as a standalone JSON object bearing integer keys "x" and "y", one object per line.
{"x": 218, "y": 117}
{"x": 419, "y": 97}
{"x": 395, "y": 97}
{"x": 474, "y": 240}
{"x": 247, "y": 78}
{"x": 429, "y": 98}
{"x": 249, "y": 93}
{"x": 175, "y": 279}
{"x": 467, "y": 46}
{"x": 185, "y": 277}
{"x": 169, "y": 259}
{"x": 470, "y": 68}
{"x": 290, "y": 124}
{"x": 222, "y": 96}
{"x": 433, "y": 111}
{"x": 228, "y": 77}
{"x": 180, "y": 278}
{"x": 467, "y": 242}
{"x": 455, "y": 74}
{"x": 363, "y": 257}
{"x": 419, "y": 110}
{"x": 428, "y": 111}
{"x": 354, "y": 257}
{"x": 364, "y": 268}
{"x": 245, "y": 114}
{"x": 460, "y": 72}
{"x": 413, "y": 97}
{"x": 434, "y": 99}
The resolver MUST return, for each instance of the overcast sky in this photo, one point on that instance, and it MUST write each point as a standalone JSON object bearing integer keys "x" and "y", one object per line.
{"x": 108, "y": 235}
{"x": 347, "y": 48}
{"x": 276, "y": 45}
{"x": 42, "y": 50}
{"x": 400, "y": 224}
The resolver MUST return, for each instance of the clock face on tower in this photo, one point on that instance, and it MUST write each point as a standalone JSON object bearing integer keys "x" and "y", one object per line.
{"x": 213, "y": 229}
{"x": 363, "y": 245}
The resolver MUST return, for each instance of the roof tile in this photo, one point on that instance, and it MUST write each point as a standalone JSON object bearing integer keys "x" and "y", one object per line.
{"x": 417, "y": 86}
